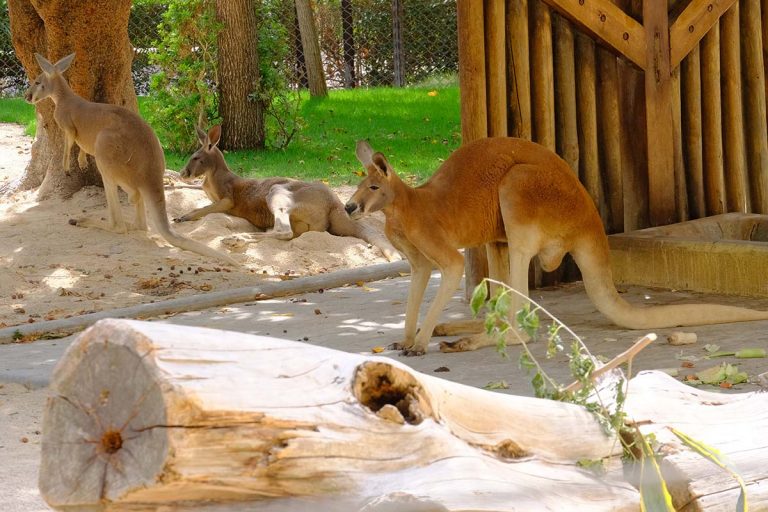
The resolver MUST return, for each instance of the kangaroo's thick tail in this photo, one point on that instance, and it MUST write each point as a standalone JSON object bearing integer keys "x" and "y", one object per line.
{"x": 593, "y": 260}
{"x": 159, "y": 219}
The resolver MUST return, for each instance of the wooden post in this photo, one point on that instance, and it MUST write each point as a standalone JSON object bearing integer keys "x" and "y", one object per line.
{"x": 518, "y": 69}
{"x": 712, "y": 122}
{"x": 495, "y": 57}
{"x": 681, "y": 195}
{"x": 755, "y": 103}
{"x": 690, "y": 70}
{"x": 658, "y": 102}
{"x": 586, "y": 94}
{"x": 609, "y": 133}
{"x": 474, "y": 113}
{"x": 736, "y": 184}
{"x": 566, "y": 129}
{"x": 543, "y": 93}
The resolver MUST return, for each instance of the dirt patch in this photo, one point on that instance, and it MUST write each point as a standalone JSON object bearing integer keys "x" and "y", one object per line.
{"x": 54, "y": 270}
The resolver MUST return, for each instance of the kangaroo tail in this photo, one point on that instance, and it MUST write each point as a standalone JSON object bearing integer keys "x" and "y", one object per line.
{"x": 594, "y": 262}
{"x": 159, "y": 219}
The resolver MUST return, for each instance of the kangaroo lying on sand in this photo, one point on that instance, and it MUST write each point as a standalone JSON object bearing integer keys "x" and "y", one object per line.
{"x": 286, "y": 208}
{"x": 127, "y": 152}
{"x": 500, "y": 190}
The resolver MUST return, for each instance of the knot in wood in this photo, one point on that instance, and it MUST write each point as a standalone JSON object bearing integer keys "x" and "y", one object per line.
{"x": 111, "y": 441}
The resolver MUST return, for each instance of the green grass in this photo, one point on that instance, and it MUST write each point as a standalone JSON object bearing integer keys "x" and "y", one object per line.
{"x": 16, "y": 110}
{"x": 414, "y": 129}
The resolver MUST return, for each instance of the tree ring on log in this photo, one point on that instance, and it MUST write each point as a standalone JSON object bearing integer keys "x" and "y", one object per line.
{"x": 378, "y": 384}
{"x": 103, "y": 439}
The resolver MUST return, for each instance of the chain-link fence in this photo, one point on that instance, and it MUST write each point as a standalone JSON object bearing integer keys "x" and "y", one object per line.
{"x": 363, "y": 42}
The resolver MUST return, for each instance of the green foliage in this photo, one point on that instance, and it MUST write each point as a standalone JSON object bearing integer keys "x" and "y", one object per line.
{"x": 183, "y": 91}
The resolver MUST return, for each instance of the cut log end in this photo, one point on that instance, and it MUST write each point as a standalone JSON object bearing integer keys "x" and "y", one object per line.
{"x": 104, "y": 420}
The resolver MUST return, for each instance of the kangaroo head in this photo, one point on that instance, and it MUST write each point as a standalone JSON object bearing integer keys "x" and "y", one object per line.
{"x": 375, "y": 191}
{"x": 45, "y": 83}
{"x": 207, "y": 157}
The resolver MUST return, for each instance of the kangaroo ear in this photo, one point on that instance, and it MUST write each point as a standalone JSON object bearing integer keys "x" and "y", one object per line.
{"x": 214, "y": 135}
{"x": 64, "y": 63}
{"x": 45, "y": 65}
{"x": 379, "y": 162}
{"x": 202, "y": 137}
{"x": 364, "y": 152}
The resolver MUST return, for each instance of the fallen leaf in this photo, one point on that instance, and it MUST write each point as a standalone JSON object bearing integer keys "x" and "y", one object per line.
{"x": 378, "y": 349}
{"x": 687, "y": 364}
{"x": 711, "y": 347}
{"x": 442, "y": 369}
{"x": 432, "y": 93}
{"x": 498, "y": 384}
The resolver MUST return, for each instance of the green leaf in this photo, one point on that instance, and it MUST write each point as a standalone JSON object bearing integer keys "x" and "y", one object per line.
{"x": 503, "y": 303}
{"x": 528, "y": 320}
{"x": 713, "y": 455}
{"x": 525, "y": 362}
{"x": 654, "y": 495}
{"x": 479, "y": 296}
{"x": 497, "y": 384}
{"x": 539, "y": 387}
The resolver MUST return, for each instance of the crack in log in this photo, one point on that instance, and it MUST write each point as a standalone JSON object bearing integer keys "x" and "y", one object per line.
{"x": 394, "y": 394}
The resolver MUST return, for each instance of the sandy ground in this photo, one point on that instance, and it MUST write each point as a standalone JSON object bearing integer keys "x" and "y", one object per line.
{"x": 53, "y": 269}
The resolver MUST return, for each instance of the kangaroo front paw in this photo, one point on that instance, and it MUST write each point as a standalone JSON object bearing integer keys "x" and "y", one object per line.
{"x": 461, "y": 345}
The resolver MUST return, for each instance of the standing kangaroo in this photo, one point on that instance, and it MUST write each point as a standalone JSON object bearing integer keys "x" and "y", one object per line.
{"x": 496, "y": 191}
{"x": 286, "y": 208}
{"x": 127, "y": 153}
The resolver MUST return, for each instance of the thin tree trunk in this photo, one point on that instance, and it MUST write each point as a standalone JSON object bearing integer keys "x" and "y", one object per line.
{"x": 97, "y": 32}
{"x": 397, "y": 43}
{"x": 311, "y": 46}
{"x": 348, "y": 43}
{"x": 241, "y": 109}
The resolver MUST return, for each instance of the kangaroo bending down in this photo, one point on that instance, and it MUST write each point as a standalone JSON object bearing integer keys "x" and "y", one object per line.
{"x": 496, "y": 191}
{"x": 127, "y": 153}
{"x": 284, "y": 207}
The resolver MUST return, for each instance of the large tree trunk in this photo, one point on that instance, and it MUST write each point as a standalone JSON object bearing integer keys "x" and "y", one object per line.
{"x": 97, "y": 31}
{"x": 241, "y": 110}
{"x": 311, "y": 45}
{"x": 398, "y": 50}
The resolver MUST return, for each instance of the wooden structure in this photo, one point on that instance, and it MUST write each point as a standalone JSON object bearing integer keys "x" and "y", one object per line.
{"x": 660, "y": 106}
{"x": 146, "y": 416}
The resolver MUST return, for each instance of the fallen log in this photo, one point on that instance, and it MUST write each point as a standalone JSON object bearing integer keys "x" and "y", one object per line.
{"x": 145, "y": 414}
{"x": 268, "y": 290}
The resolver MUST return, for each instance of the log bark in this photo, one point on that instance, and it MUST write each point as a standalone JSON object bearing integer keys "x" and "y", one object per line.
{"x": 150, "y": 414}
{"x": 495, "y": 57}
{"x": 543, "y": 89}
{"x": 311, "y": 49}
{"x": 609, "y": 126}
{"x": 97, "y": 32}
{"x": 586, "y": 94}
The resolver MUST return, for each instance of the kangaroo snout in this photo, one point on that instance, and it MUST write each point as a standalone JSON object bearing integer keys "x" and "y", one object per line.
{"x": 350, "y": 207}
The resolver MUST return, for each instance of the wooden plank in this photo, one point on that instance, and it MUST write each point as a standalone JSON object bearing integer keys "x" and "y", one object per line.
{"x": 609, "y": 23}
{"x": 693, "y": 24}
{"x": 495, "y": 64}
{"x": 712, "y": 122}
{"x": 609, "y": 134}
{"x": 659, "y": 116}
{"x": 565, "y": 93}
{"x": 543, "y": 89}
{"x": 518, "y": 69}
{"x": 690, "y": 71}
{"x": 735, "y": 157}
{"x": 586, "y": 95}
{"x": 471, "y": 27}
{"x": 755, "y": 103}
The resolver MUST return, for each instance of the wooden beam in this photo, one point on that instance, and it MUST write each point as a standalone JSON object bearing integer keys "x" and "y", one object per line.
{"x": 659, "y": 115}
{"x": 693, "y": 24}
{"x": 567, "y": 133}
{"x": 609, "y": 23}
{"x": 609, "y": 131}
{"x": 586, "y": 94}
{"x": 690, "y": 77}
{"x": 712, "y": 123}
{"x": 542, "y": 79}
